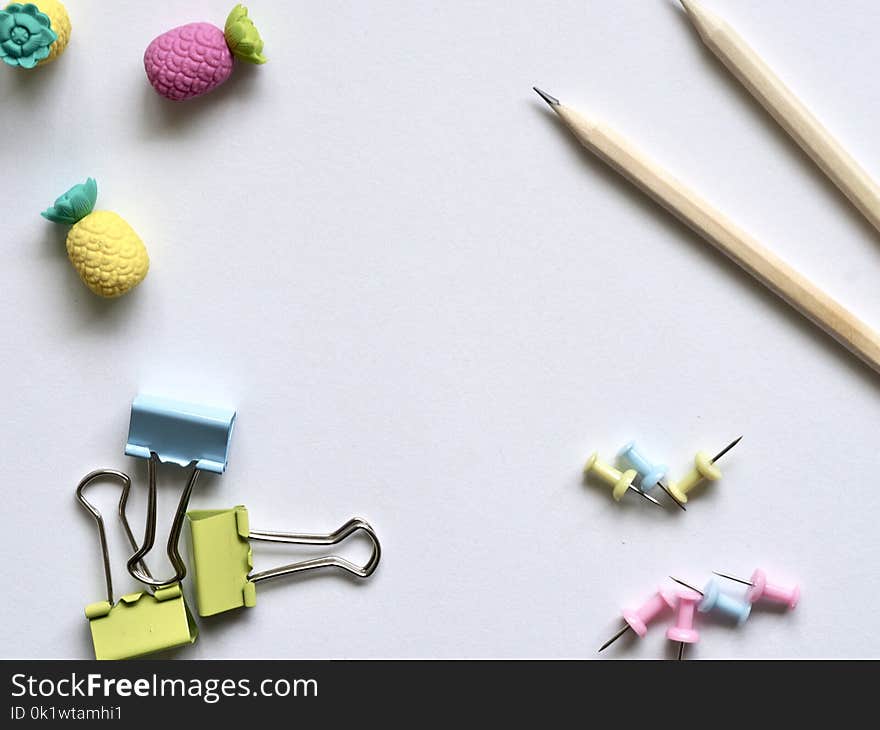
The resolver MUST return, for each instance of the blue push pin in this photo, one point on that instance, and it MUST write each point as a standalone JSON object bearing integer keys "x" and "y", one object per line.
{"x": 714, "y": 600}
{"x": 651, "y": 474}
{"x": 726, "y": 605}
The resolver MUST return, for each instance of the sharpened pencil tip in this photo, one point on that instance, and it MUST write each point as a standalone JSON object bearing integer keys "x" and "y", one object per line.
{"x": 698, "y": 15}
{"x": 551, "y": 100}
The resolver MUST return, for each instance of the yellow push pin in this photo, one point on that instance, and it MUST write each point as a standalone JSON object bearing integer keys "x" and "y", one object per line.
{"x": 620, "y": 481}
{"x": 704, "y": 468}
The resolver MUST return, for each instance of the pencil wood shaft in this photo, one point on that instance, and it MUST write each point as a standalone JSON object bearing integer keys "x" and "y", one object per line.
{"x": 769, "y": 269}
{"x": 787, "y": 110}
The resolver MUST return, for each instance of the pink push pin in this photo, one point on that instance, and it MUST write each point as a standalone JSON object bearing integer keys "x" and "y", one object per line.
{"x": 761, "y": 589}
{"x": 684, "y": 632}
{"x": 637, "y": 620}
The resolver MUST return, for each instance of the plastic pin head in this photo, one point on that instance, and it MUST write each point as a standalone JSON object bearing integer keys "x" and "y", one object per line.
{"x": 618, "y": 481}
{"x": 639, "y": 618}
{"x": 703, "y": 469}
{"x": 651, "y": 474}
{"x": 683, "y": 631}
{"x": 762, "y": 590}
{"x": 731, "y": 608}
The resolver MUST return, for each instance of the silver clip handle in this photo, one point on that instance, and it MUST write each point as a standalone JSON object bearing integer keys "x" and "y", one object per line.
{"x": 136, "y": 565}
{"x": 125, "y": 480}
{"x": 330, "y": 561}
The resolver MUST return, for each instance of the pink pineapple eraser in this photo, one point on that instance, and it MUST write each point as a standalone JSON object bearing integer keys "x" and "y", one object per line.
{"x": 762, "y": 590}
{"x": 683, "y": 630}
{"x": 639, "y": 618}
{"x": 194, "y": 59}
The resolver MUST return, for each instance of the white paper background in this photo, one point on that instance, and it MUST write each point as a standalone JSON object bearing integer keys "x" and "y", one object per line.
{"x": 428, "y": 307}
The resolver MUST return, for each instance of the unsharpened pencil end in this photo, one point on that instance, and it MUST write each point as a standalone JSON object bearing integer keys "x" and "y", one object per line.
{"x": 551, "y": 100}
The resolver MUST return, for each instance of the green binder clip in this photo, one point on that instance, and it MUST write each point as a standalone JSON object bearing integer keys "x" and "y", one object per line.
{"x": 222, "y": 561}
{"x": 140, "y": 623}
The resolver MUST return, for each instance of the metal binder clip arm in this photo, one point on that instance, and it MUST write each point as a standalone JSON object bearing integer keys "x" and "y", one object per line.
{"x": 136, "y": 566}
{"x": 223, "y": 563}
{"x": 329, "y": 561}
{"x": 125, "y": 480}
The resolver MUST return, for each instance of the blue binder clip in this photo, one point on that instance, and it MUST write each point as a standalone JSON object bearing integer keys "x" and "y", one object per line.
{"x": 180, "y": 433}
{"x": 191, "y": 436}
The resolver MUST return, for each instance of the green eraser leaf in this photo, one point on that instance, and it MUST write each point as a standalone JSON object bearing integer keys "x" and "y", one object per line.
{"x": 242, "y": 36}
{"x": 75, "y": 204}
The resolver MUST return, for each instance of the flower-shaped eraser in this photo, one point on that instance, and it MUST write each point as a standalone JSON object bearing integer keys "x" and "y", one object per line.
{"x": 194, "y": 59}
{"x": 106, "y": 252}
{"x": 33, "y": 34}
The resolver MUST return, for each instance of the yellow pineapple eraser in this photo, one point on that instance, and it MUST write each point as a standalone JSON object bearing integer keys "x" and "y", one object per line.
{"x": 105, "y": 251}
{"x": 33, "y": 34}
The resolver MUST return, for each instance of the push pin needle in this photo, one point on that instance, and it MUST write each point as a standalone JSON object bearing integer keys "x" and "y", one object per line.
{"x": 669, "y": 494}
{"x": 646, "y": 496}
{"x": 686, "y": 585}
{"x": 734, "y": 578}
{"x": 614, "y": 638}
{"x": 726, "y": 449}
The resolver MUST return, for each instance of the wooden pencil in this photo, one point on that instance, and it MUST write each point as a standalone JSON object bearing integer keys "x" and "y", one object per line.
{"x": 787, "y": 110}
{"x": 684, "y": 204}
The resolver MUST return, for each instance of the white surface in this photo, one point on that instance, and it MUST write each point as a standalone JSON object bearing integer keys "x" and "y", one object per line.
{"x": 428, "y": 307}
